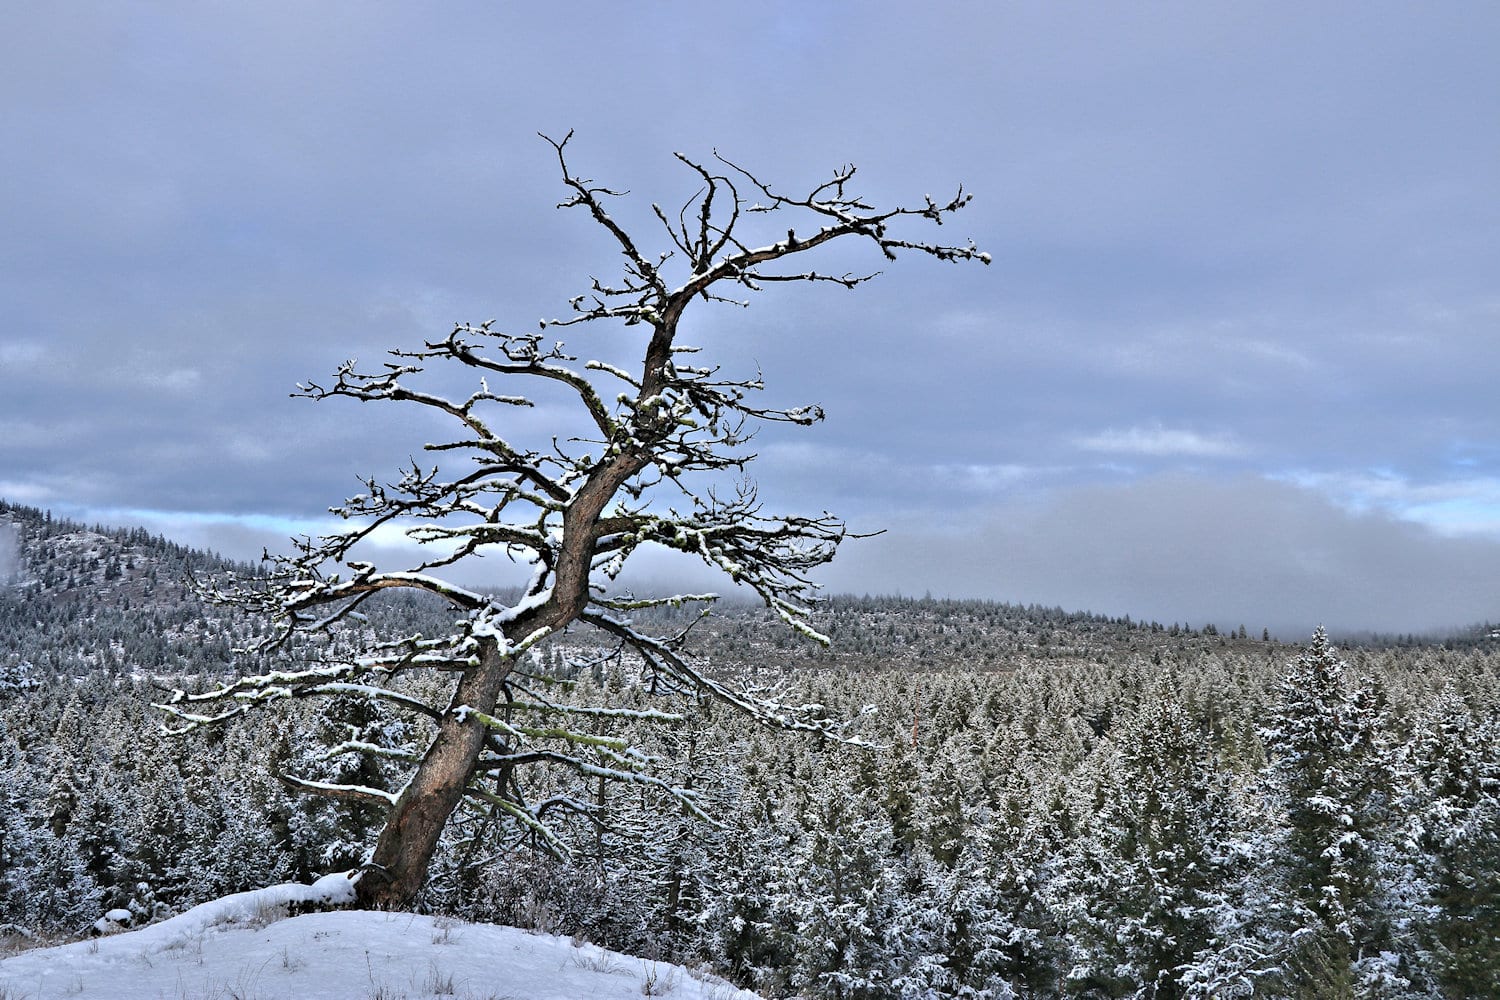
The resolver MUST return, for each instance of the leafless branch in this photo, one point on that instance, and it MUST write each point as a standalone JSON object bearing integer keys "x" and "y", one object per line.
{"x": 663, "y": 434}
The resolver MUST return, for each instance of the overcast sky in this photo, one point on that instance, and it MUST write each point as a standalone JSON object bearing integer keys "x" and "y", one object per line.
{"x": 1235, "y": 360}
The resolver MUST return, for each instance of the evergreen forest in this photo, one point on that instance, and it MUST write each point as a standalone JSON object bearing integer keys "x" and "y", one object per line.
{"x": 1028, "y": 802}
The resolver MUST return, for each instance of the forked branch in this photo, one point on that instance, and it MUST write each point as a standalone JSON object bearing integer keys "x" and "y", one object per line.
{"x": 659, "y": 462}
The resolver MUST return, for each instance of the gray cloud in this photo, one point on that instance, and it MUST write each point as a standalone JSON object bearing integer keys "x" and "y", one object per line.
{"x": 1157, "y": 440}
{"x": 1238, "y": 243}
{"x": 1171, "y": 548}
{"x": 1245, "y": 551}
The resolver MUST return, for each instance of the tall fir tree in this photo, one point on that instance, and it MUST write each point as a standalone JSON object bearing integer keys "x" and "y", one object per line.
{"x": 1454, "y": 828}
{"x": 1332, "y": 773}
{"x": 1159, "y": 883}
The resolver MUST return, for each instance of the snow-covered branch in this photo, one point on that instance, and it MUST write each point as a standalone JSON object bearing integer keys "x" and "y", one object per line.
{"x": 664, "y": 434}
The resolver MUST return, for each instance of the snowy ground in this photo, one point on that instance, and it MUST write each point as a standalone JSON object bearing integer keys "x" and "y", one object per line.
{"x": 243, "y": 947}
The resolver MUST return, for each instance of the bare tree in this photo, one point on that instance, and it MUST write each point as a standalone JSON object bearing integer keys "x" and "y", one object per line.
{"x": 664, "y": 439}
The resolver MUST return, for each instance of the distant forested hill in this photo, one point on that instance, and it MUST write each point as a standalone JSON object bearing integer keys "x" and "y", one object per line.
{"x": 82, "y": 599}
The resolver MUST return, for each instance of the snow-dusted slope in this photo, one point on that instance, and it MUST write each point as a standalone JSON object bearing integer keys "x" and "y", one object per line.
{"x": 243, "y": 948}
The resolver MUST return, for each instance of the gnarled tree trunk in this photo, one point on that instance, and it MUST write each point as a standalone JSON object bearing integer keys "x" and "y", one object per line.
{"x": 398, "y": 868}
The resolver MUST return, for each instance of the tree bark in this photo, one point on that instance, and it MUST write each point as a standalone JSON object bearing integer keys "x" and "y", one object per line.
{"x": 398, "y": 869}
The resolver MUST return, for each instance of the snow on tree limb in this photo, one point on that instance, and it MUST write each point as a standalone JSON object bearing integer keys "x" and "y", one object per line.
{"x": 662, "y": 465}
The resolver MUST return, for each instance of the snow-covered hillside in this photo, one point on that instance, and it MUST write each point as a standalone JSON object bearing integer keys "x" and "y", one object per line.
{"x": 244, "y": 947}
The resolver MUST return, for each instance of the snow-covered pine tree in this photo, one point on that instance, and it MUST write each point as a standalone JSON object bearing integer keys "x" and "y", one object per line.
{"x": 18, "y": 838}
{"x": 996, "y": 939}
{"x": 1453, "y": 828}
{"x": 1332, "y": 774}
{"x": 738, "y": 929}
{"x": 654, "y": 458}
{"x": 838, "y": 908}
{"x": 1157, "y": 886}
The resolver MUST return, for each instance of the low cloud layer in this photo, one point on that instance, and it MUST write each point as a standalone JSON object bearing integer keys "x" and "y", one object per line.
{"x": 1173, "y": 548}
{"x": 1180, "y": 548}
